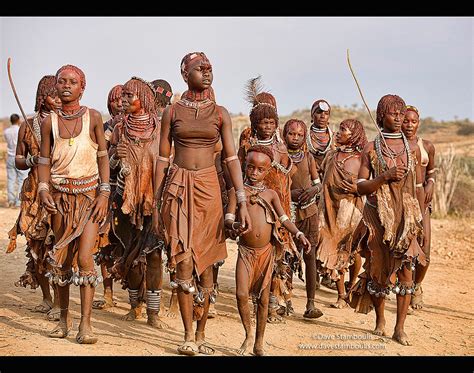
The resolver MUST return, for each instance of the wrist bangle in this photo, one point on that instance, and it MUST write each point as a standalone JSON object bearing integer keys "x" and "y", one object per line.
{"x": 44, "y": 160}
{"x": 30, "y": 161}
{"x": 43, "y": 186}
{"x": 432, "y": 179}
{"x": 283, "y": 218}
{"x": 114, "y": 161}
{"x": 229, "y": 216}
{"x": 299, "y": 234}
{"x": 419, "y": 185}
{"x": 316, "y": 181}
{"x": 241, "y": 196}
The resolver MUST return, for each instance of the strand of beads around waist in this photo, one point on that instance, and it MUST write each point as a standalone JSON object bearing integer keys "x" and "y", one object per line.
{"x": 77, "y": 186}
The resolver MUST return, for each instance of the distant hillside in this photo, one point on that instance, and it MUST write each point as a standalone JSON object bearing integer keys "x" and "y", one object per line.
{"x": 436, "y": 131}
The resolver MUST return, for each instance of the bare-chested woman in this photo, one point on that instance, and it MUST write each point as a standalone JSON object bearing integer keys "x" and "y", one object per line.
{"x": 410, "y": 127}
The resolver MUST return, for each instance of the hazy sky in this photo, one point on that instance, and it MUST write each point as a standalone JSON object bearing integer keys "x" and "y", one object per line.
{"x": 428, "y": 61}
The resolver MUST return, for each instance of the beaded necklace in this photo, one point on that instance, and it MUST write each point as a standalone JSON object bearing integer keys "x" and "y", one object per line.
{"x": 379, "y": 152}
{"x": 296, "y": 155}
{"x": 316, "y": 130}
{"x": 77, "y": 114}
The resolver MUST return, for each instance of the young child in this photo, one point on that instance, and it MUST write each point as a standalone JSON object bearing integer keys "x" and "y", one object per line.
{"x": 256, "y": 248}
{"x": 305, "y": 187}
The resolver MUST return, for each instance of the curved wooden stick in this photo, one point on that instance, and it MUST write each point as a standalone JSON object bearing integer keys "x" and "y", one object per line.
{"x": 367, "y": 106}
{"x": 18, "y": 100}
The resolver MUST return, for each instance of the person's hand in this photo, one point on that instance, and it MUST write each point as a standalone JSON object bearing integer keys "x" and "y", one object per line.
{"x": 99, "y": 208}
{"x": 48, "y": 202}
{"x": 396, "y": 173}
{"x": 349, "y": 187}
{"x": 122, "y": 148}
{"x": 306, "y": 244}
{"x": 429, "y": 189}
{"x": 308, "y": 194}
{"x": 295, "y": 194}
{"x": 244, "y": 218}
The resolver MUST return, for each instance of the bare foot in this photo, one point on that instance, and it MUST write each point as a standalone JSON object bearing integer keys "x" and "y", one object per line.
{"x": 258, "y": 350}
{"x": 245, "y": 345}
{"x": 173, "y": 311}
{"x": 341, "y": 303}
{"x": 154, "y": 321}
{"x": 44, "y": 307}
{"x": 401, "y": 337}
{"x": 85, "y": 335}
{"x": 134, "y": 314}
{"x": 54, "y": 314}
{"x": 380, "y": 328}
{"x": 61, "y": 330}
{"x": 212, "y": 313}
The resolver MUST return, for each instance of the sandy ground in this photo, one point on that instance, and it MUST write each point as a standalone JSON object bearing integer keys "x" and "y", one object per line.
{"x": 444, "y": 327}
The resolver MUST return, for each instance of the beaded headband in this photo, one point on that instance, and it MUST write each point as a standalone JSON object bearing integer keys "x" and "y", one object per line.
{"x": 412, "y": 108}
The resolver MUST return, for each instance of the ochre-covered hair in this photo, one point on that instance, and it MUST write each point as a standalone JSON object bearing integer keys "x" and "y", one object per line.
{"x": 144, "y": 91}
{"x": 358, "y": 138}
{"x": 264, "y": 107}
{"x": 77, "y": 70}
{"x": 261, "y": 149}
{"x": 114, "y": 94}
{"x": 163, "y": 92}
{"x": 387, "y": 103}
{"x": 193, "y": 59}
{"x": 46, "y": 87}
{"x": 286, "y": 127}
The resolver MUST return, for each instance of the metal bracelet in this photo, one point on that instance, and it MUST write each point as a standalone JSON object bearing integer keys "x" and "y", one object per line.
{"x": 241, "y": 196}
{"x": 114, "y": 161}
{"x": 44, "y": 160}
{"x": 283, "y": 218}
{"x": 299, "y": 234}
{"x": 432, "y": 179}
{"x": 104, "y": 187}
{"x": 102, "y": 153}
{"x": 30, "y": 161}
{"x": 316, "y": 181}
{"x": 43, "y": 186}
{"x": 229, "y": 216}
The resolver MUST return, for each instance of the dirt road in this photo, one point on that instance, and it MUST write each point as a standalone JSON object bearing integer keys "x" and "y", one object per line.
{"x": 444, "y": 327}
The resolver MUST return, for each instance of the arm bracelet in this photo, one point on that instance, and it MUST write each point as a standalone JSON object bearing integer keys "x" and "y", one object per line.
{"x": 432, "y": 179}
{"x": 229, "y": 216}
{"x": 316, "y": 181}
{"x": 114, "y": 161}
{"x": 299, "y": 234}
{"x": 43, "y": 186}
{"x": 104, "y": 187}
{"x": 44, "y": 160}
{"x": 30, "y": 161}
{"x": 163, "y": 159}
{"x": 283, "y": 218}
{"x": 102, "y": 153}
{"x": 241, "y": 196}
{"x": 231, "y": 158}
